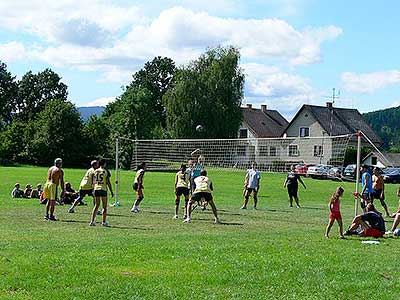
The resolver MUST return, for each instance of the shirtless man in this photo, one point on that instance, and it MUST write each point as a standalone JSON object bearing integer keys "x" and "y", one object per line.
{"x": 378, "y": 187}
{"x": 55, "y": 177}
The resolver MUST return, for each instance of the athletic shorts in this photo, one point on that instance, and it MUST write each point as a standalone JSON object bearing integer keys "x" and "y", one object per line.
{"x": 83, "y": 193}
{"x": 372, "y": 232}
{"x": 50, "y": 191}
{"x": 182, "y": 191}
{"x": 251, "y": 190}
{"x": 136, "y": 187}
{"x": 335, "y": 215}
{"x": 376, "y": 194}
{"x": 100, "y": 193}
{"x": 292, "y": 191}
{"x": 202, "y": 195}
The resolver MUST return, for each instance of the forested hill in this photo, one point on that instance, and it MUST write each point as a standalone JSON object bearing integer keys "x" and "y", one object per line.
{"x": 86, "y": 112}
{"x": 386, "y": 124}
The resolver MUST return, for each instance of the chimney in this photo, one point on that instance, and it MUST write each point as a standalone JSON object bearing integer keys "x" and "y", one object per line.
{"x": 249, "y": 105}
{"x": 264, "y": 108}
{"x": 329, "y": 105}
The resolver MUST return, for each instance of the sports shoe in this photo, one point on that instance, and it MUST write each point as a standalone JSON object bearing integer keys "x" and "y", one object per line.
{"x": 53, "y": 218}
{"x": 298, "y": 206}
{"x": 92, "y": 224}
{"x": 243, "y": 207}
{"x": 389, "y": 232}
{"x": 255, "y": 207}
{"x": 46, "y": 217}
{"x": 135, "y": 210}
{"x": 184, "y": 217}
{"x": 175, "y": 217}
{"x": 105, "y": 224}
{"x": 216, "y": 221}
{"x": 187, "y": 220}
{"x": 71, "y": 210}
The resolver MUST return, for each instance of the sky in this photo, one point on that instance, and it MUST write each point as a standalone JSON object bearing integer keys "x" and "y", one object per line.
{"x": 293, "y": 52}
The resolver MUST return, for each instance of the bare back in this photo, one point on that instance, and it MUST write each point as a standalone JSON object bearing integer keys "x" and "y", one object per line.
{"x": 55, "y": 175}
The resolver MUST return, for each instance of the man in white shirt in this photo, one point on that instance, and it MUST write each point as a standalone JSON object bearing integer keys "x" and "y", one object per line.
{"x": 251, "y": 185}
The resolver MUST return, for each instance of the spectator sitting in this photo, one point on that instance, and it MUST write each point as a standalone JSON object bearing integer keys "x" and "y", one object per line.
{"x": 17, "y": 192}
{"x": 28, "y": 191}
{"x": 36, "y": 193}
{"x": 69, "y": 195}
{"x": 371, "y": 222}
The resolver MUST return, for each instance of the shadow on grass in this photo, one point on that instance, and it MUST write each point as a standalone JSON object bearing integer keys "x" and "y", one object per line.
{"x": 112, "y": 226}
{"x": 315, "y": 208}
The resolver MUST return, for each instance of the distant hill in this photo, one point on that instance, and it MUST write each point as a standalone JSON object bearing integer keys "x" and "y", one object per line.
{"x": 386, "y": 124}
{"x": 86, "y": 112}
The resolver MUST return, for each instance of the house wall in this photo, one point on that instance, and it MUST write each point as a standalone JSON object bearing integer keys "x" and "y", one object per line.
{"x": 305, "y": 119}
{"x": 368, "y": 162}
{"x": 250, "y": 134}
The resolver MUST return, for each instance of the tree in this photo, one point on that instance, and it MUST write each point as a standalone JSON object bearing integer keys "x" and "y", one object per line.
{"x": 8, "y": 95}
{"x": 96, "y": 134}
{"x": 36, "y": 90}
{"x": 156, "y": 77}
{"x": 208, "y": 92}
{"x": 58, "y": 133}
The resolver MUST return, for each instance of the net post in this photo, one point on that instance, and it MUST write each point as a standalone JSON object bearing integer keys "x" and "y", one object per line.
{"x": 116, "y": 203}
{"x": 358, "y": 134}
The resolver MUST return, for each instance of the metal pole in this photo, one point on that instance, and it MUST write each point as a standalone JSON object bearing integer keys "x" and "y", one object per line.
{"x": 116, "y": 203}
{"x": 358, "y": 171}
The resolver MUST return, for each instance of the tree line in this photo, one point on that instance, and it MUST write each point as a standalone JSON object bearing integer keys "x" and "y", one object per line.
{"x": 38, "y": 123}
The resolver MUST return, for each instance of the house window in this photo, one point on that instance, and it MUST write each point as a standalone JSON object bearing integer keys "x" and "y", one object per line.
{"x": 374, "y": 160}
{"x": 293, "y": 150}
{"x": 318, "y": 150}
{"x": 304, "y": 131}
{"x": 243, "y": 133}
{"x": 272, "y": 151}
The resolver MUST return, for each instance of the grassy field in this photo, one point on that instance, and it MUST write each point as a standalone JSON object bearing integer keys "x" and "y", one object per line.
{"x": 275, "y": 252}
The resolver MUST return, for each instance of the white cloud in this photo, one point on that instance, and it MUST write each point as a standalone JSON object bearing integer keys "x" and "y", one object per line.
{"x": 101, "y": 101}
{"x": 369, "y": 82}
{"x": 12, "y": 51}
{"x": 279, "y": 90}
{"x": 94, "y": 35}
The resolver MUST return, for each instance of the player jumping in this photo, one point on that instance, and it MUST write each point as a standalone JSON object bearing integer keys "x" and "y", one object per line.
{"x": 203, "y": 190}
{"x": 55, "y": 177}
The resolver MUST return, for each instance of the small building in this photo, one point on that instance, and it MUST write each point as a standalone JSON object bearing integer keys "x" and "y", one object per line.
{"x": 261, "y": 123}
{"x": 384, "y": 160}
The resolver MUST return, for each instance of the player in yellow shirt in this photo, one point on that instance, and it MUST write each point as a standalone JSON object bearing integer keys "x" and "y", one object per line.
{"x": 55, "y": 177}
{"x": 138, "y": 186}
{"x": 101, "y": 180}
{"x": 203, "y": 190}
{"x": 181, "y": 188}
{"x": 86, "y": 186}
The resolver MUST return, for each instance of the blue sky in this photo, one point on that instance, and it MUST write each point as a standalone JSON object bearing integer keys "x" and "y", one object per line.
{"x": 293, "y": 51}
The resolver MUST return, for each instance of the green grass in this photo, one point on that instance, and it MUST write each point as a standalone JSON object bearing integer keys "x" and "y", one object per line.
{"x": 275, "y": 252}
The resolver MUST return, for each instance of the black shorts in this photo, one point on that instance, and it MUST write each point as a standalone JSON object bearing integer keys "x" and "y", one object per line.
{"x": 182, "y": 191}
{"x": 202, "y": 195}
{"x": 83, "y": 193}
{"x": 100, "y": 193}
{"x": 292, "y": 190}
{"x": 366, "y": 197}
{"x": 376, "y": 194}
{"x": 136, "y": 187}
{"x": 250, "y": 190}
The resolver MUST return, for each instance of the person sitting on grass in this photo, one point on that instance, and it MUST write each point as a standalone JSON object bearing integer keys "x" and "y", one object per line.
{"x": 204, "y": 188}
{"x": 28, "y": 191}
{"x": 371, "y": 222}
{"x": 17, "y": 192}
{"x": 334, "y": 208}
{"x": 36, "y": 193}
{"x": 69, "y": 195}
